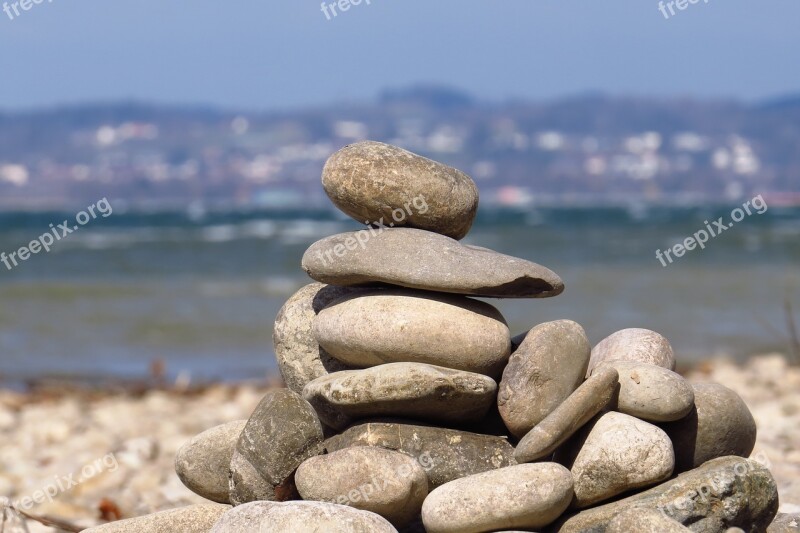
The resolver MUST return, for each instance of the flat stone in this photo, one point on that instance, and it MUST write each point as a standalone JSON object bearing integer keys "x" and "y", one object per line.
{"x": 720, "y": 424}
{"x": 614, "y": 454}
{"x": 192, "y": 519}
{"x": 423, "y": 260}
{"x": 300, "y": 358}
{"x": 522, "y": 496}
{"x": 202, "y": 464}
{"x": 381, "y": 184}
{"x": 297, "y": 517}
{"x": 645, "y": 521}
{"x": 282, "y": 432}
{"x": 634, "y": 344}
{"x": 651, "y": 392}
{"x": 547, "y": 367}
{"x": 404, "y": 325}
{"x": 725, "y": 492}
{"x": 445, "y": 454}
{"x": 369, "y": 478}
{"x": 580, "y": 407}
{"x": 407, "y": 390}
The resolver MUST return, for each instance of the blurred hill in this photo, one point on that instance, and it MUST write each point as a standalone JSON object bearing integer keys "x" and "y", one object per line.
{"x": 589, "y": 149}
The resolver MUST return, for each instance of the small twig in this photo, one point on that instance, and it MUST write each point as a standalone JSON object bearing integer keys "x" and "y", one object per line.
{"x": 795, "y": 340}
{"x": 52, "y": 522}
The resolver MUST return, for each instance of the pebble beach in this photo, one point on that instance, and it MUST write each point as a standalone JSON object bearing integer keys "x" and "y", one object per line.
{"x": 50, "y": 433}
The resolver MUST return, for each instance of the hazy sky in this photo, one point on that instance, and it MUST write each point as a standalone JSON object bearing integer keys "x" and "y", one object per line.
{"x": 272, "y": 54}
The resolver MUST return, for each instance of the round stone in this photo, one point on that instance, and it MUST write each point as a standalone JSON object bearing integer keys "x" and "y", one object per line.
{"x": 651, "y": 392}
{"x": 614, "y": 454}
{"x": 202, "y": 464}
{"x": 382, "y": 185}
{"x": 634, "y": 344}
{"x": 389, "y": 326}
{"x": 275, "y": 517}
{"x": 300, "y": 359}
{"x": 191, "y": 519}
{"x": 382, "y": 481}
{"x": 523, "y": 496}
{"x": 580, "y": 407}
{"x": 408, "y": 390}
{"x": 547, "y": 367}
{"x": 720, "y": 424}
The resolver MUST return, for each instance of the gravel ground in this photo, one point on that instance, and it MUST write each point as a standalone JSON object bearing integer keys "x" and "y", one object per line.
{"x": 107, "y": 454}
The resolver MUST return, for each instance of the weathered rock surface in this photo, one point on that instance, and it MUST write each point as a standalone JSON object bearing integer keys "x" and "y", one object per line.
{"x": 403, "y": 325}
{"x": 445, "y": 454}
{"x": 645, "y": 521}
{"x": 651, "y": 392}
{"x": 580, "y": 407}
{"x": 300, "y": 359}
{"x": 547, "y": 367}
{"x": 192, "y": 519}
{"x": 634, "y": 344}
{"x": 380, "y": 184}
{"x": 614, "y": 454}
{"x": 300, "y": 517}
{"x": 429, "y": 261}
{"x": 281, "y": 433}
{"x": 720, "y": 424}
{"x": 785, "y": 523}
{"x": 725, "y": 492}
{"x": 407, "y": 390}
{"x": 202, "y": 464}
{"x": 521, "y": 496}
{"x": 369, "y": 478}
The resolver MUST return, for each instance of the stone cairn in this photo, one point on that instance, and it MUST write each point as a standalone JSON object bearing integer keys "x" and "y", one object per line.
{"x": 409, "y": 406}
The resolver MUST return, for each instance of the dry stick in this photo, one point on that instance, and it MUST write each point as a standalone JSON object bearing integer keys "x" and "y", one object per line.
{"x": 51, "y": 522}
{"x": 793, "y": 332}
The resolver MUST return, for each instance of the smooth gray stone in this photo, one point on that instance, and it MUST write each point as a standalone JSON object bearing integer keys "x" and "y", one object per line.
{"x": 407, "y": 390}
{"x": 300, "y": 517}
{"x": 785, "y": 523}
{"x": 402, "y": 325}
{"x": 521, "y": 496}
{"x": 377, "y": 183}
{"x": 651, "y": 392}
{"x": 445, "y": 454}
{"x": 300, "y": 358}
{"x": 202, "y": 464}
{"x": 720, "y": 424}
{"x": 634, "y": 344}
{"x": 547, "y": 367}
{"x": 725, "y": 492}
{"x": 369, "y": 478}
{"x": 423, "y": 260}
{"x": 580, "y": 407}
{"x": 614, "y": 454}
{"x": 192, "y": 519}
{"x": 645, "y": 521}
{"x": 282, "y": 432}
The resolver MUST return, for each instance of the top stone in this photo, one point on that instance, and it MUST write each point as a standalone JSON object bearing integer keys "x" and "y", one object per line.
{"x": 383, "y": 185}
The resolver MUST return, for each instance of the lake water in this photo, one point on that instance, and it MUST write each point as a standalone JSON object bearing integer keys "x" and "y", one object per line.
{"x": 201, "y": 290}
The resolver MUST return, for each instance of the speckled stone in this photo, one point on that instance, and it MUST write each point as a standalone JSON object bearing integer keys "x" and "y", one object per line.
{"x": 192, "y": 519}
{"x": 634, "y": 344}
{"x": 645, "y": 521}
{"x": 377, "y": 183}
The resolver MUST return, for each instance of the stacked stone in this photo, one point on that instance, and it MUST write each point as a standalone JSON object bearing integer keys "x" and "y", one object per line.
{"x": 410, "y": 408}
